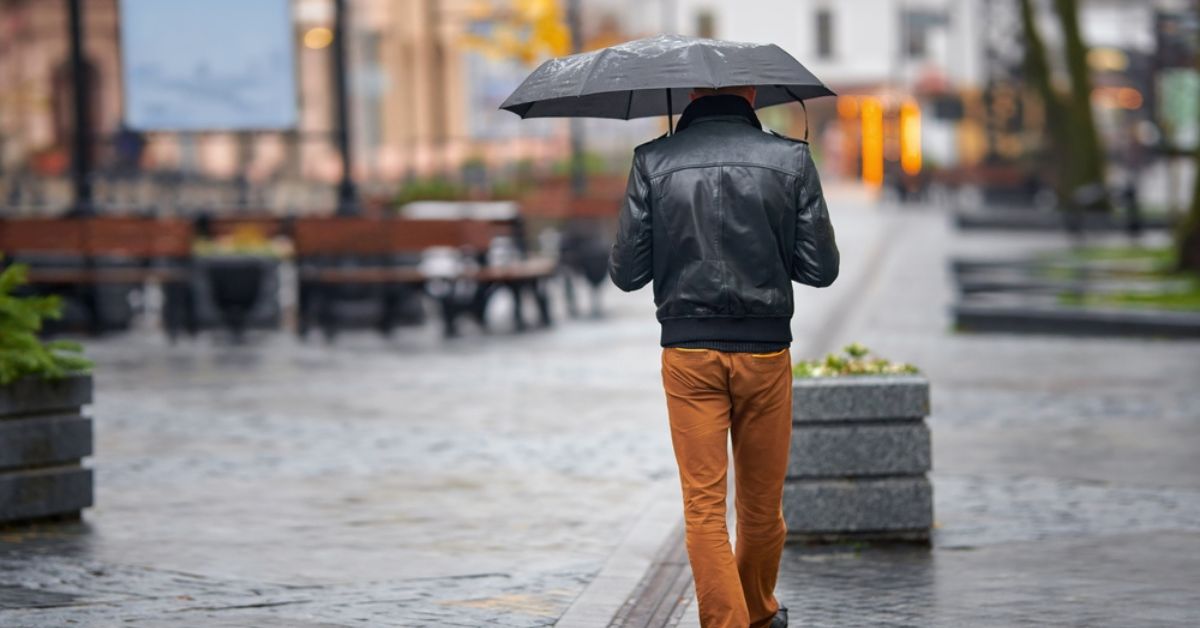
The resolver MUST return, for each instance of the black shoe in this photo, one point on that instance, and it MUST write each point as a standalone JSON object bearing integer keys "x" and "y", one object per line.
{"x": 780, "y": 619}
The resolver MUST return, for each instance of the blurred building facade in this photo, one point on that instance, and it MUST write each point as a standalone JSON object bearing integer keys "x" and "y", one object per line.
{"x": 954, "y": 69}
{"x": 924, "y": 84}
{"x": 422, "y": 102}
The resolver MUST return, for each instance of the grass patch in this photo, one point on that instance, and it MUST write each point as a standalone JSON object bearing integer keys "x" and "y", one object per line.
{"x": 1161, "y": 259}
{"x": 1187, "y": 299}
{"x": 1129, "y": 262}
{"x": 1136, "y": 263}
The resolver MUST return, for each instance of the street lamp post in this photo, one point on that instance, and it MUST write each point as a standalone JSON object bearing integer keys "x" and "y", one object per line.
{"x": 347, "y": 203}
{"x": 578, "y": 175}
{"x": 81, "y": 153}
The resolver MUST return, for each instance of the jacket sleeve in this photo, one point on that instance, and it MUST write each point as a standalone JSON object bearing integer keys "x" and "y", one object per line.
{"x": 630, "y": 264}
{"x": 815, "y": 258}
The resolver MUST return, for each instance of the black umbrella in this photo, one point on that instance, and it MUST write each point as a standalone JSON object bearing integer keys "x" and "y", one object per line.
{"x": 646, "y": 77}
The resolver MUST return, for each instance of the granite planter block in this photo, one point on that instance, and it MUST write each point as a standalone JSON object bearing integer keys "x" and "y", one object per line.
{"x": 860, "y": 452}
{"x": 823, "y": 451}
{"x": 29, "y": 395}
{"x": 43, "y": 437}
{"x": 859, "y": 505}
{"x": 882, "y": 398}
{"x": 30, "y": 494}
{"x": 43, "y": 440}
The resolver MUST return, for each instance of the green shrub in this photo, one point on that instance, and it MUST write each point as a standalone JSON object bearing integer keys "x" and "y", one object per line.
{"x": 431, "y": 189}
{"x": 855, "y": 359}
{"x": 22, "y": 353}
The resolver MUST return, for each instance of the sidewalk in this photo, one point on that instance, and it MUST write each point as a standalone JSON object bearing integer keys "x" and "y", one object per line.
{"x": 478, "y": 482}
{"x": 1066, "y": 480}
{"x": 499, "y": 480}
{"x": 513, "y": 480}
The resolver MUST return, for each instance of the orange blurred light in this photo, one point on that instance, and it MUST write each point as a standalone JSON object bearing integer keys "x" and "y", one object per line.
{"x": 847, "y": 106}
{"x": 910, "y": 138}
{"x": 872, "y": 142}
{"x": 318, "y": 37}
{"x": 1129, "y": 98}
{"x": 1120, "y": 97}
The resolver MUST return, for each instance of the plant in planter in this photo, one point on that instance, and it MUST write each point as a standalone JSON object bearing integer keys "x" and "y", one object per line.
{"x": 860, "y": 450}
{"x": 238, "y": 279}
{"x": 854, "y": 360}
{"x": 22, "y": 353}
{"x": 431, "y": 189}
{"x": 43, "y": 434}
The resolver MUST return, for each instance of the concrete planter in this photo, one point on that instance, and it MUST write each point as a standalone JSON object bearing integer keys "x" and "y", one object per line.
{"x": 860, "y": 452}
{"x": 43, "y": 437}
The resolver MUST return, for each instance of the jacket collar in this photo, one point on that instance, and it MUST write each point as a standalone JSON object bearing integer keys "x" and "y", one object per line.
{"x": 717, "y": 106}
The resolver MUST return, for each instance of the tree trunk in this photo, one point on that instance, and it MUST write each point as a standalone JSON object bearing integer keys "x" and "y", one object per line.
{"x": 1058, "y": 161}
{"x": 1086, "y": 149}
{"x": 1188, "y": 240}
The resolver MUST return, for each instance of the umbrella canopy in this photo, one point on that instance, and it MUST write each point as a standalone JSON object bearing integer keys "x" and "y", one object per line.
{"x": 652, "y": 77}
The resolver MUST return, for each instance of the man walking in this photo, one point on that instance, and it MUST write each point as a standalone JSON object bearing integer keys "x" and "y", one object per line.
{"x": 722, "y": 216}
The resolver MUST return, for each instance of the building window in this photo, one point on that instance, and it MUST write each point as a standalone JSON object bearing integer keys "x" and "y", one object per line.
{"x": 917, "y": 25}
{"x": 824, "y": 33}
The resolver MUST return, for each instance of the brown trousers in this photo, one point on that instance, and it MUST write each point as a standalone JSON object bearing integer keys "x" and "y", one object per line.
{"x": 710, "y": 396}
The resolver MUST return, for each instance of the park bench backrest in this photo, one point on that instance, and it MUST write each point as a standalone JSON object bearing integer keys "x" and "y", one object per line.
{"x": 171, "y": 238}
{"x": 340, "y": 236}
{"x": 109, "y": 236}
{"x": 409, "y": 236}
{"x": 41, "y": 236}
{"x": 144, "y": 238}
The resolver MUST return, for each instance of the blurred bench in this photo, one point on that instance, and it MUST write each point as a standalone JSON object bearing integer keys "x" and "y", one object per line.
{"x": 341, "y": 258}
{"x": 87, "y": 259}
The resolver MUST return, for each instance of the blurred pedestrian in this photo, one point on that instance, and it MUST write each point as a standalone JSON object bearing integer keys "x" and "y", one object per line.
{"x": 722, "y": 217}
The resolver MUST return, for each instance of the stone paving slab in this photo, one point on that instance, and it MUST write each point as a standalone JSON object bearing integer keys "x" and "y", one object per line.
{"x": 412, "y": 482}
{"x": 492, "y": 480}
{"x": 1125, "y": 580}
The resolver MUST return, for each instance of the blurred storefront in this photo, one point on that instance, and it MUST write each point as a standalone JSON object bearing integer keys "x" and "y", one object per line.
{"x": 35, "y": 84}
{"x": 936, "y": 89}
{"x": 423, "y": 102}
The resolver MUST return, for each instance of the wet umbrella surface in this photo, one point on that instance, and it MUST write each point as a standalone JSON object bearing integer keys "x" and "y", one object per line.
{"x": 652, "y": 77}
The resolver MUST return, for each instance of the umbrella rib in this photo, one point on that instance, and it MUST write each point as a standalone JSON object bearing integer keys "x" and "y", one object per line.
{"x": 629, "y": 104}
{"x": 591, "y": 70}
{"x": 712, "y": 81}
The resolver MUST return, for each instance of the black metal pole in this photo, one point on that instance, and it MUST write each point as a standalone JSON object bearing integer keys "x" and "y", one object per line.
{"x": 670, "y": 114}
{"x": 81, "y": 157}
{"x": 347, "y": 191}
{"x": 578, "y": 174}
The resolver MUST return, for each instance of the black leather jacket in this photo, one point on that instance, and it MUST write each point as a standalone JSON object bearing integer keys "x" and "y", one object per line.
{"x": 723, "y": 216}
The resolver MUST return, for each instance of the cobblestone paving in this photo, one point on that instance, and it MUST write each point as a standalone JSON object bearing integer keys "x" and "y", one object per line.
{"x": 1066, "y": 475}
{"x": 411, "y": 482}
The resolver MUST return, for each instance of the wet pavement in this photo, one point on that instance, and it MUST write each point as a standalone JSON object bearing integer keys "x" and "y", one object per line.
{"x": 486, "y": 480}
{"x": 404, "y": 482}
{"x": 483, "y": 481}
{"x": 1066, "y": 476}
